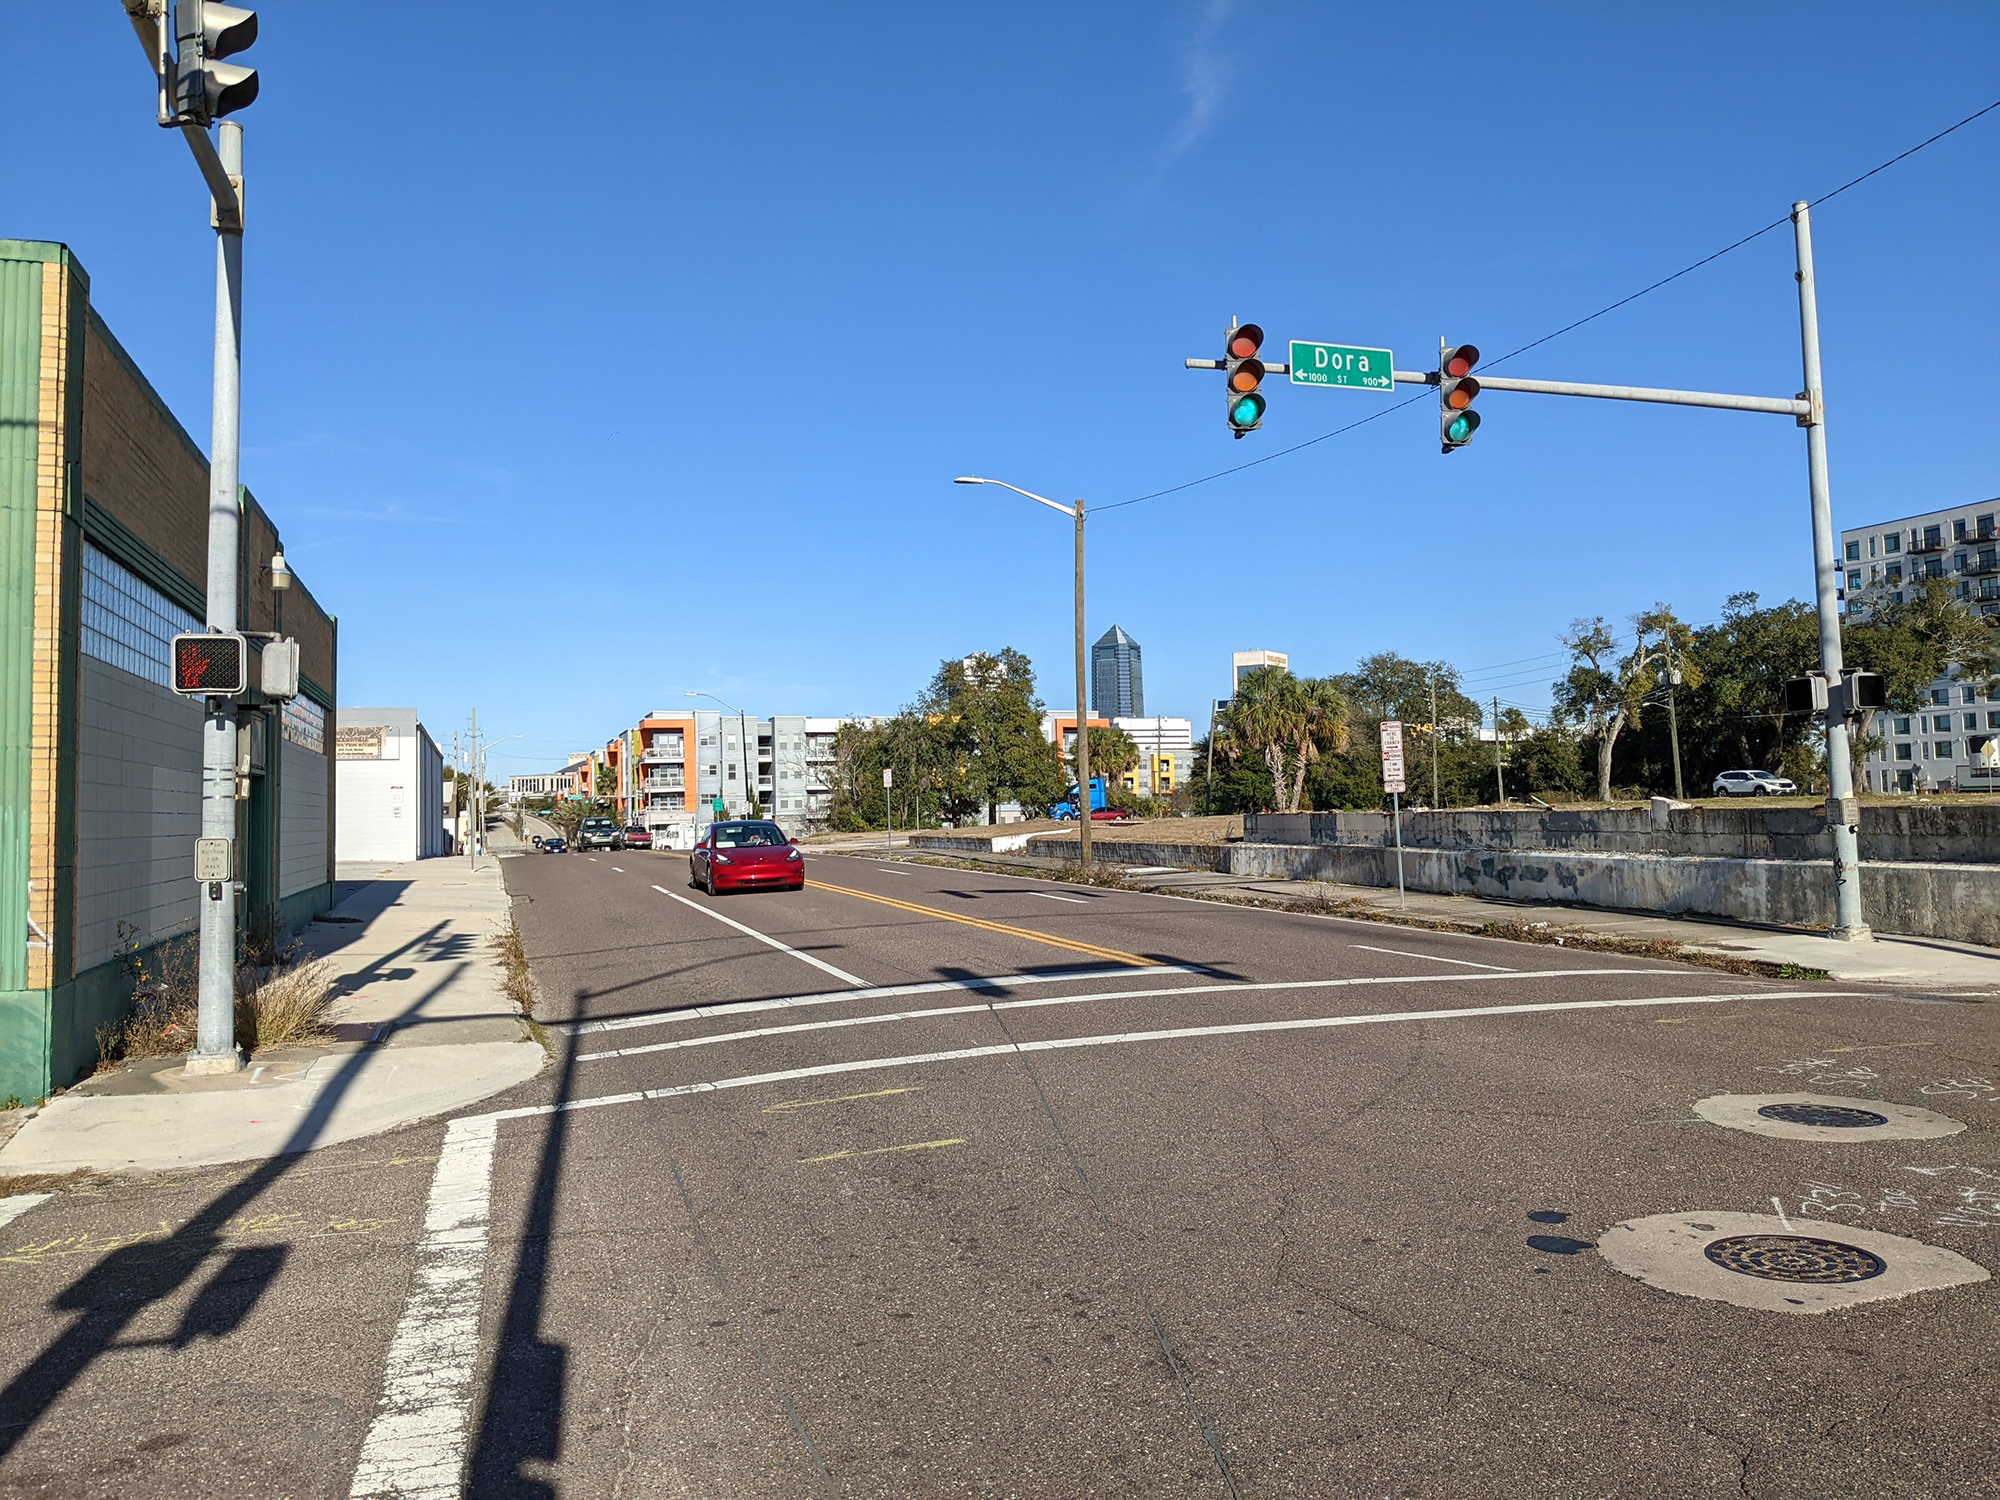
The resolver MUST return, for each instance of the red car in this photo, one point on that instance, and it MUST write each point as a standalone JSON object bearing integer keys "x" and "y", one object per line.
{"x": 638, "y": 838}
{"x": 746, "y": 856}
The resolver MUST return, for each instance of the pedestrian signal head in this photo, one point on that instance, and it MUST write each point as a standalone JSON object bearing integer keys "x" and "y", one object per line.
{"x": 213, "y": 664}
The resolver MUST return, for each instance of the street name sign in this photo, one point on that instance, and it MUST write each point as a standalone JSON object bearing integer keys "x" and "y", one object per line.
{"x": 1392, "y": 757}
{"x": 1342, "y": 365}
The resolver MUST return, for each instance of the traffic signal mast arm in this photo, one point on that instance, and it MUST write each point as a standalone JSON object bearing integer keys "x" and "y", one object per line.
{"x": 1782, "y": 406}
{"x": 148, "y": 18}
{"x": 1776, "y": 405}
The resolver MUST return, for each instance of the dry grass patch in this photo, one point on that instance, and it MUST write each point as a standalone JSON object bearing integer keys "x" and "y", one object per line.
{"x": 280, "y": 1002}
{"x": 519, "y": 987}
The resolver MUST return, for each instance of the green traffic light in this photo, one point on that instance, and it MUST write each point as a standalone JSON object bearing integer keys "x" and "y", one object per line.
{"x": 1462, "y": 427}
{"x": 1248, "y": 411}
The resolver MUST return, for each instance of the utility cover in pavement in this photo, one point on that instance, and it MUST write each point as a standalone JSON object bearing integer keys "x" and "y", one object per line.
{"x": 1839, "y": 1115}
{"x": 1763, "y": 1262}
{"x": 1823, "y": 1117}
{"x": 1794, "y": 1257}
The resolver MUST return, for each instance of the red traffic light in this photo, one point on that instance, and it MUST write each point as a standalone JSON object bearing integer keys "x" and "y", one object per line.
{"x": 1461, "y": 360}
{"x": 213, "y": 664}
{"x": 1245, "y": 340}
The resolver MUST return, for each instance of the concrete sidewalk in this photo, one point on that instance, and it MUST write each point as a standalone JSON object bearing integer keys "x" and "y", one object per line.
{"x": 1928, "y": 963}
{"x": 420, "y": 1022}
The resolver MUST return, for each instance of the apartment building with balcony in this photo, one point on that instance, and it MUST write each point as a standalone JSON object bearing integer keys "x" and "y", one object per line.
{"x": 1884, "y": 564}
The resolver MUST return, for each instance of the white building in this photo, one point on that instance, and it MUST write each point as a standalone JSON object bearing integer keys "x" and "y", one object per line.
{"x": 1883, "y": 564}
{"x": 1166, "y": 753}
{"x": 1249, "y": 661}
{"x": 388, "y": 786}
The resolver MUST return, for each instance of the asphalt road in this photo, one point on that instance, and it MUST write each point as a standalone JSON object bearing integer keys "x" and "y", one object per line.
{"x": 922, "y": 1182}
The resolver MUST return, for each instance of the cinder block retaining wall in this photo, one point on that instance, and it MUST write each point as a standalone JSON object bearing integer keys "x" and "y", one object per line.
{"x": 1967, "y": 833}
{"x": 1917, "y": 898}
{"x": 1926, "y": 871}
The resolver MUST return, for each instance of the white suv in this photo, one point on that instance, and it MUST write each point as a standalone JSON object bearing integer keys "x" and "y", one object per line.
{"x": 1752, "y": 784}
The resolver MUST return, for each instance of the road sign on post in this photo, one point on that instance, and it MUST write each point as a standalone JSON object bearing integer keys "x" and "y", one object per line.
{"x": 1392, "y": 757}
{"x": 1342, "y": 365}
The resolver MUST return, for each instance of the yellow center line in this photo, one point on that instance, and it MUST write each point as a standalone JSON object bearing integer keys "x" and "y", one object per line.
{"x": 806, "y": 1161}
{"x": 772, "y": 1109}
{"x": 1029, "y": 933}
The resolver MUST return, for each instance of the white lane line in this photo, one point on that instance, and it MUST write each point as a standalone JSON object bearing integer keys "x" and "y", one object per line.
{"x": 887, "y": 871}
{"x": 616, "y": 871}
{"x": 1179, "y": 1033}
{"x": 591, "y": 857}
{"x": 415, "y": 1448}
{"x": 12, "y": 1208}
{"x": 1150, "y": 870}
{"x": 1047, "y": 1000}
{"x": 1052, "y": 896}
{"x": 1432, "y": 957}
{"x": 818, "y": 963}
{"x": 878, "y": 992}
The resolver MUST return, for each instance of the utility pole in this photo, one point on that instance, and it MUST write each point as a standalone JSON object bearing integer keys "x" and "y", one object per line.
{"x": 1673, "y": 723}
{"x": 1499, "y": 776}
{"x": 215, "y": 1026}
{"x": 1082, "y": 712}
{"x": 472, "y": 796}
{"x": 1843, "y": 809}
{"x": 1432, "y": 672}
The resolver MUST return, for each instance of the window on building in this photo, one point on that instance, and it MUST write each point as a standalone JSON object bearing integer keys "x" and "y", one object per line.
{"x": 1892, "y": 543}
{"x": 1958, "y": 531}
{"x": 304, "y": 724}
{"x": 1896, "y": 597}
{"x": 1992, "y": 719}
{"x": 732, "y": 771}
{"x": 1854, "y": 552}
{"x": 1968, "y": 695}
{"x": 1933, "y": 536}
{"x": 1985, "y": 527}
{"x": 1940, "y": 722}
{"x": 126, "y": 622}
{"x": 1940, "y": 695}
{"x": 1871, "y": 546}
{"x": 1958, "y": 560}
{"x": 1903, "y": 725}
{"x": 1942, "y": 750}
{"x": 1903, "y": 752}
{"x": 1854, "y": 578}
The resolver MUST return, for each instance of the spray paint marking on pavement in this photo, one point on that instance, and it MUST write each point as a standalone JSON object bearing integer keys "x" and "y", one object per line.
{"x": 1074, "y": 946}
{"x": 415, "y": 1448}
{"x": 807, "y": 1161}
{"x": 772, "y": 1109}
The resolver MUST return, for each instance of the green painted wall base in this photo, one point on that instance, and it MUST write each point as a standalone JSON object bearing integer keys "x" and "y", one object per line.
{"x": 49, "y": 1039}
{"x": 24, "y": 1044}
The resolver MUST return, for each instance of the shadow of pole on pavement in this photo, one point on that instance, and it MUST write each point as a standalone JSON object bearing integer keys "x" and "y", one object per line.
{"x": 126, "y": 1282}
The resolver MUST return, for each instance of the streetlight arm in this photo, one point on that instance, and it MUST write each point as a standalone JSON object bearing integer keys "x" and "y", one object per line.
{"x": 1070, "y": 511}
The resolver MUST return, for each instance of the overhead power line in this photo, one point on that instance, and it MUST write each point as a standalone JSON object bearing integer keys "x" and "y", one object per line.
{"x": 1567, "y": 327}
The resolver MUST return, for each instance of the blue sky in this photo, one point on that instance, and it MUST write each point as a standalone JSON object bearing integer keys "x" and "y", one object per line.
{"x": 584, "y": 370}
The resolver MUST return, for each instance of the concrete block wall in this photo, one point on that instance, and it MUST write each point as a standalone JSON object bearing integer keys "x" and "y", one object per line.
{"x": 138, "y": 810}
{"x": 302, "y": 825}
{"x": 1952, "y": 833}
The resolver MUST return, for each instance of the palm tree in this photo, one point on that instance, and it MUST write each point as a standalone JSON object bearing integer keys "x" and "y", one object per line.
{"x": 1286, "y": 720}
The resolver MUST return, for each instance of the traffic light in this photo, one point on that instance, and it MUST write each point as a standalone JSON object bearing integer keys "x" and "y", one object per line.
{"x": 206, "y": 89}
{"x": 1457, "y": 421}
{"x": 213, "y": 664}
{"x": 1806, "y": 695}
{"x": 1244, "y": 373}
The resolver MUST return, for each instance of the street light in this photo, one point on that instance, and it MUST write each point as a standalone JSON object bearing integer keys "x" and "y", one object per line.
{"x": 743, "y": 729}
{"x": 1082, "y": 707}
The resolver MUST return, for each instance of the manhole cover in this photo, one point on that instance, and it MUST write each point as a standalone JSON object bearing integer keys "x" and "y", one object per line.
{"x": 1838, "y": 1115}
{"x": 1792, "y": 1257}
